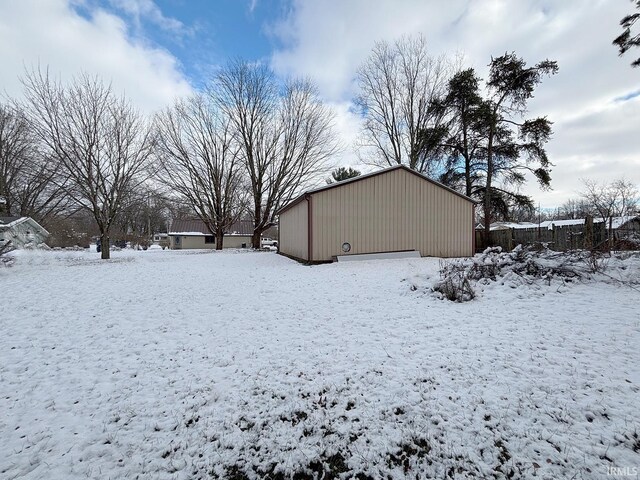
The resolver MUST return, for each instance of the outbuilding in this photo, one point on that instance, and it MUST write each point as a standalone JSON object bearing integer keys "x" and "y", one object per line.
{"x": 393, "y": 210}
{"x": 194, "y": 234}
{"x": 22, "y": 232}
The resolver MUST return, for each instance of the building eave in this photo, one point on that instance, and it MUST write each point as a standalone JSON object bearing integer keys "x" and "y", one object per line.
{"x": 304, "y": 195}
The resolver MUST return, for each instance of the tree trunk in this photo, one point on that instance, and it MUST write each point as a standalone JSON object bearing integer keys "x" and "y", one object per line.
{"x": 255, "y": 239}
{"x": 487, "y": 192}
{"x": 467, "y": 158}
{"x": 467, "y": 176}
{"x": 487, "y": 212}
{"x": 105, "y": 246}
{"x": 219, "y": 238}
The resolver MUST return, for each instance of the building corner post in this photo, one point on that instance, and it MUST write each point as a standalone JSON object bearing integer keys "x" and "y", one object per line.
{"x": 308, "y": 198}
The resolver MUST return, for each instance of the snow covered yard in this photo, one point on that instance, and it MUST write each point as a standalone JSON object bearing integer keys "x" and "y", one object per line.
{"x": 164, "y": 364}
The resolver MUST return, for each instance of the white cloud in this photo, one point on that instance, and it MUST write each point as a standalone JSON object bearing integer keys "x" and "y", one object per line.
{"x": 52, "y": 33}
{"x": 347, "y": 125}
{"x": 595, "y": 135}
{"x": 139, "y": 9}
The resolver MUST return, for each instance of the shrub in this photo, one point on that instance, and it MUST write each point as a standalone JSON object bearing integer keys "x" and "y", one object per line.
{"x": 5, "y": 259}
{"x": 454, "y": 284}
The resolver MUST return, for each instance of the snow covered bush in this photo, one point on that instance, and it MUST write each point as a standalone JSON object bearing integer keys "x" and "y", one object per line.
{"x": 36, "y": 246}
{"x": 596, "y": 261}
{"x": 454, "y": 284}
{"x": 529, "y": 265}
{"x": 6, "y": 260}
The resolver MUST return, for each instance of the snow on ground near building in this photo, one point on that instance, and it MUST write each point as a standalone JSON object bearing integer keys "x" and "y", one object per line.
{"x": 178, "y": 364}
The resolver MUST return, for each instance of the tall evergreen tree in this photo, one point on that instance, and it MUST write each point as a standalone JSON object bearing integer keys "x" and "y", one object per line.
{"x": 513, "y": 147}
{"x": 626, "y": 40}
{"x": 465, "y": 134}
{"x": 490, "y": 147}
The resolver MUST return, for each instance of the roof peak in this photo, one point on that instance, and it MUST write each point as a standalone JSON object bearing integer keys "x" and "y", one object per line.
{"x": 359, "y": 178}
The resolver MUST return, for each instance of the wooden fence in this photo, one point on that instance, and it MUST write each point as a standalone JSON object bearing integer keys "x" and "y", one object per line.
{"x": 559, "y": 238}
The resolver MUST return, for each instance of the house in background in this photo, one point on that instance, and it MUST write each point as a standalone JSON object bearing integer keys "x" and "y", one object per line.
{"x": 393, "y": 210}
{"x": 193, "y": 233}
{"x": 160, "y": 237}
{"x": 22, "y": 232}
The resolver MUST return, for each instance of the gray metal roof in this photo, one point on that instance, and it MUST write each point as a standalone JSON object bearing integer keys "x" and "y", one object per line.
{"x": 7, "y": 223}
{"x": 5, "y": 220}
{"x": 193, "y": 225}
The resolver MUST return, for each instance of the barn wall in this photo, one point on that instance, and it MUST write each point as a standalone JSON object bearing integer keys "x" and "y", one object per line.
{"x": 293, "y": 230}
{"x": 389, "y": 212}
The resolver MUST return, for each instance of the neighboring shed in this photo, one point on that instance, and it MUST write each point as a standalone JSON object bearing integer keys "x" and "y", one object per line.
{"x": 392, "y": 210}
{"x": 22, "y": 232}
{"x": 193, "y": 233}
{"x": 625, "y": 227}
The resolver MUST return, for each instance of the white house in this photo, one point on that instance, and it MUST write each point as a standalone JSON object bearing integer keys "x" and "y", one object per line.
{"x": 21, "y": 232}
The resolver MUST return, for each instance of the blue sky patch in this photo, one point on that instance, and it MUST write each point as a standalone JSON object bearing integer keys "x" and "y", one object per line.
{"x": 628, "y": 96}
{"x": 201, "y": 34}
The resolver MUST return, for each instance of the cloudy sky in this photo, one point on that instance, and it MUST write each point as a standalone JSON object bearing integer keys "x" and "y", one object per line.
{"x": 158, "y": 50}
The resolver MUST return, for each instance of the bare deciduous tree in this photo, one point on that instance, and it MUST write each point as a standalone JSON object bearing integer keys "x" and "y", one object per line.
{"x": 617, "y": 199}
{"x": 399, "y": 85}
{"x": 15, "y": 145}
{"x": 574, "y": 208}
{"x": 29, "y": 182}
{"x": 284, "y": 134}
{"x": 146, "y": 213}
{"x": 99, "y": 141}
{"x": 198, "y": 160}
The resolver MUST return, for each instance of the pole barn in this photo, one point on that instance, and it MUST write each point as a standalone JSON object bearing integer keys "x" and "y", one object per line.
{"x": 393, "y": 210}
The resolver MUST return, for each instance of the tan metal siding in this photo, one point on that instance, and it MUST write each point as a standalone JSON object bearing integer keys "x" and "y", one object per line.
{"x": 391, "y": 212}
{"x": 197, "y": 242}
{"x": 189, "y": 242}
{"x": 236, "y": 241}
{"x": 293, "y": 228}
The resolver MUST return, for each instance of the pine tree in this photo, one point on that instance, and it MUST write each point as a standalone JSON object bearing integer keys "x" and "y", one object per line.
{"x": 342, "y": 173}
{"x": 625, "y": 40}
